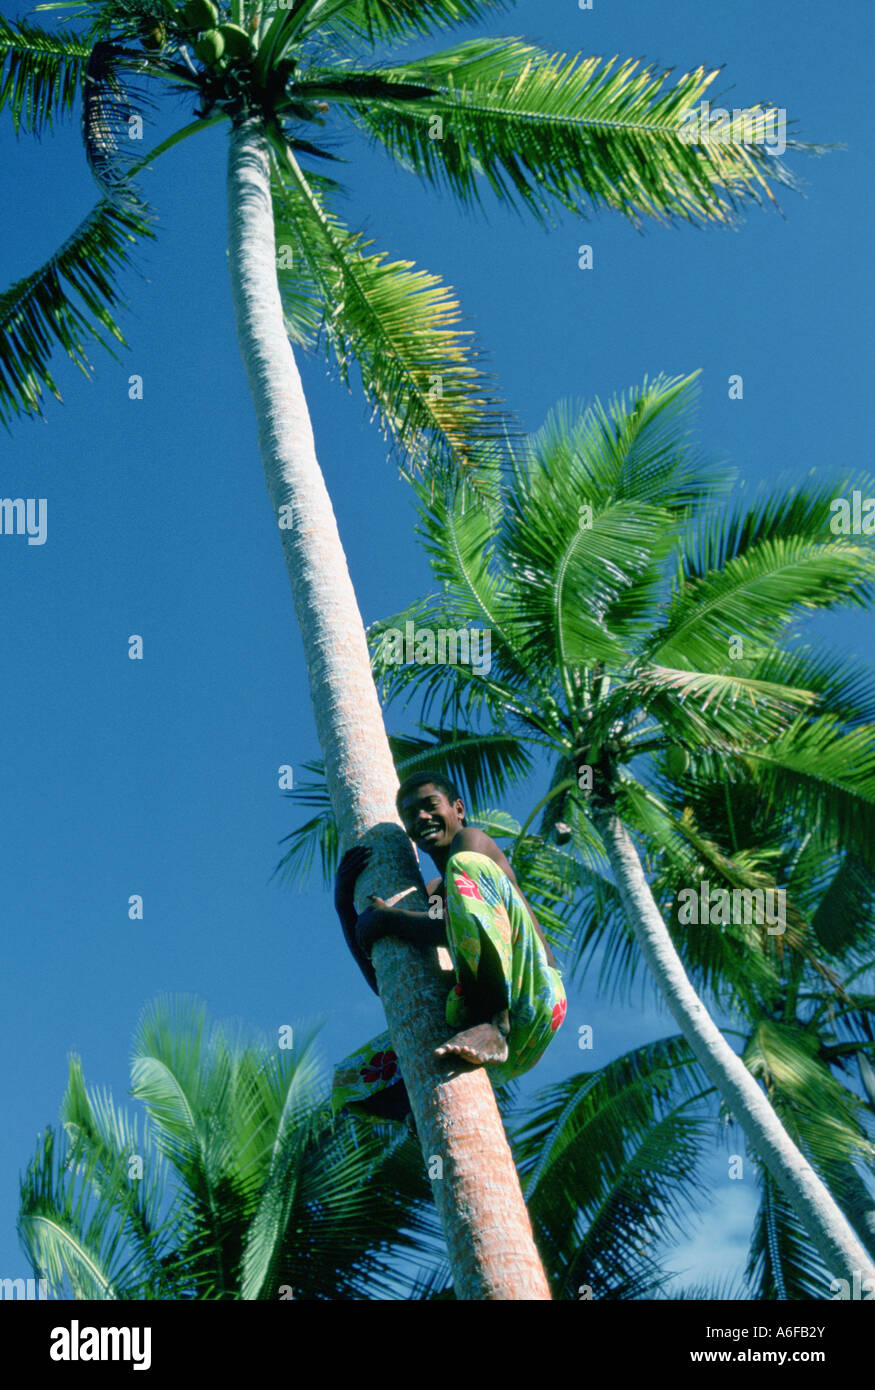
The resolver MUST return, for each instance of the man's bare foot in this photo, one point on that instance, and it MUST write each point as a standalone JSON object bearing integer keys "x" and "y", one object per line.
{"x": 482, "y": 1044}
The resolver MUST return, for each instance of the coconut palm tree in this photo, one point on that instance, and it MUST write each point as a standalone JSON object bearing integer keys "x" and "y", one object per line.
{"x": 545, "y": 132}
{"x": 632, "y": 622}
{"x": 807, "y": 1030}
{"x": 238, "y": 1185}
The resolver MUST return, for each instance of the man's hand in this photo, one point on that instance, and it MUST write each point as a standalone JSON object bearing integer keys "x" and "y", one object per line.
{"x": 383, "y": 919}
{"x": 371, "y": 925}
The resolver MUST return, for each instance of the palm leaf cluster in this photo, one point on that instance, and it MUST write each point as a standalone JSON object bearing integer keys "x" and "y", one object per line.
{"x": 238, "y": 1185}
{"x": 608, "y": 1161}
{"x": 647, "y": 628}
{"x": 71, "y": 298}
{"x": 542, "y": 131}
{"x": 245, "y": 1187}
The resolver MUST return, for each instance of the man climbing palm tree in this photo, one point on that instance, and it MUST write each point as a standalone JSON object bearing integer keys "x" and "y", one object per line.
{"x": 507, "y": 1000}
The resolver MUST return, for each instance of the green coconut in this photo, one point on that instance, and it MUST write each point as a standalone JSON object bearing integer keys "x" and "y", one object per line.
{"x": 677, "y": 760}
{"x": 210, "y": 46}
{"x": 200, "y": 14}
{"x": 237, "y": 41}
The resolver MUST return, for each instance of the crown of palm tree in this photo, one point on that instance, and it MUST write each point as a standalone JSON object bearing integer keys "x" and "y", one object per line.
{"x": 543, "y": 131}
{"x": 633, "y": 620}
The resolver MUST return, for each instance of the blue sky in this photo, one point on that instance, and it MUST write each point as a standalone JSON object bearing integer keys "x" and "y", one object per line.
{"x": 159, "y": 777}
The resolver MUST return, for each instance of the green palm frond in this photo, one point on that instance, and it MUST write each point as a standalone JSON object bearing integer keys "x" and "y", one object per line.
{"x": 729, "y": 959}
{"x": 815, "y": 1108}
{"x": 360, "y": 1195}
{"x": 823, "y": 776}
{"x": 418, "y": 368}
{"x": 584, "y": 133}
{"x": 185, "y": 1073}
{"x": 780, "y": 509}
{"x": 77, "y": 1223}
{"x": 845, "y": 687}
{"x": 593, "y": 511}
{"x": 269, "y": 1191}
{"x": 713, "y": 707}
{"x": 459, "y": 534}
{"x": 71, "y": 297}
{"x": 318, "y": 833}
{"x": 40, "y": 73}
{"x": 129, "y": 1164}
{"x": 612, "y": 562}
{"x": 66, "y": 1248}
{"x": 782, "y": 1263}
{"x": 551, "y": 880}
{"x": 607, "y": 1162}
{"x": 842, "y": 922}
{"x": 731, "y": 1288}
{"x": 379, "y": 20}
{"x": 757, "y": 595}
{"x": 463, "y": 695}
{"x": 637, "y": 447}
{"x": 482, "y": 765}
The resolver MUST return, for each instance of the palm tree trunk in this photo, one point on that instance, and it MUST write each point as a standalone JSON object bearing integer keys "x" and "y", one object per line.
{"x": 858, "y": 1205}
{"x": 476, "y": 1189}
{"x": 837, "y": 1244}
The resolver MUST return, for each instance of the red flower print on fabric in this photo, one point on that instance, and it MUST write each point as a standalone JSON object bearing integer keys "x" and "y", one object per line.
{"x": 382, "y": 1066}
{"x": 559, "y": 1011}
{"x": 468, "y": 888}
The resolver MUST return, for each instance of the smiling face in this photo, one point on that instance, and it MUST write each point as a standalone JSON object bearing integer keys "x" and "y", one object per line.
{"x": 431, "y": 820}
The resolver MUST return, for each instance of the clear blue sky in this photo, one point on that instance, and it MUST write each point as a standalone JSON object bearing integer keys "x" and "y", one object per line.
{"x": 159, "y": 777}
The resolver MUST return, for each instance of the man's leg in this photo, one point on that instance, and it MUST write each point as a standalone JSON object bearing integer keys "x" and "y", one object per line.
{"x": 485, "y": 994}
{"x": 510, "y": 1000}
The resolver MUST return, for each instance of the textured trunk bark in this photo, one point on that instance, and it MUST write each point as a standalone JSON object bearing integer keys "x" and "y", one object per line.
{"x": 476, "y": 1189}
{"x": 838, "y": 1245}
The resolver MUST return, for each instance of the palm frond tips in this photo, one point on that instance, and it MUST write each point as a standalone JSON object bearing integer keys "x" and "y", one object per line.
{"x": 70, "y": 297}
{"x": 39, "y": 74}
{"x": 378, "y": 20}
{"x": 418, "y": 367}
{"x": 544, "y": 128}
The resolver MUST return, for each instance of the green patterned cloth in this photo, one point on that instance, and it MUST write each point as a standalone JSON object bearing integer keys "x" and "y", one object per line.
{"x": 484, "y": 912}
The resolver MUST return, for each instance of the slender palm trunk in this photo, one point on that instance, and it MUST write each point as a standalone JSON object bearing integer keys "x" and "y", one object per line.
{"x": 838, "y": 1245}
{"x": 476, "y": 1189}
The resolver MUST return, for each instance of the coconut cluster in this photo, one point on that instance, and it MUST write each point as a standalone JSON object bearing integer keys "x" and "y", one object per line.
{"x": 216, "y": 43}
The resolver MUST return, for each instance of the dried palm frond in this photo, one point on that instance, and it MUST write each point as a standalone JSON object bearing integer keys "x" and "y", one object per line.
{"x": 113, "y": 112}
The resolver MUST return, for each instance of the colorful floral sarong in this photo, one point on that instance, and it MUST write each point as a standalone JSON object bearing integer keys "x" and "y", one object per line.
{"x": 484, "y": 913}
